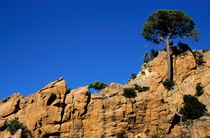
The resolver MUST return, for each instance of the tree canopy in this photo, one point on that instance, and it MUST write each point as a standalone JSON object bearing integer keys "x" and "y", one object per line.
{"x": 170, "y": 24}
{"x": 97, "y": 85}
{"x": 167, "y": 25}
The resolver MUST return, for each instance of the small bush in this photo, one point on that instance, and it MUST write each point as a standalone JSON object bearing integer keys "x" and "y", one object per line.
{"x": 140, "y": 88}
{"x": 199, "y": 89}
{"x": 97, "y": 85}
{"x": 205, "y": 50}
{"x": 129, "y": 92}
{"x": 150, "y": 56}
{"x": 155, "y": 136}
{"x": 14, "y": 125}
{"x": 133, "y": 76}
{"x": 168, "y": 84}
{"x": 207, "y": 114}
{"x": 183, "y": 47}
{"x": 146, "y": 58}
{"x": 200, "y": 60}
{"x": 153, "y": 53}
{"x": 192, "y": 108}
{"x": 121, "y": 135}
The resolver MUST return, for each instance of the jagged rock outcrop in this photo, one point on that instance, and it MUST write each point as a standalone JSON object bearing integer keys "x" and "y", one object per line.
{"x": 40, "y": 112}
{"x": 54, "y": 112}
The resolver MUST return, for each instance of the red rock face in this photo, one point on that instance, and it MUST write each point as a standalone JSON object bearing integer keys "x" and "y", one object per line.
{"x": 52, "y": 112}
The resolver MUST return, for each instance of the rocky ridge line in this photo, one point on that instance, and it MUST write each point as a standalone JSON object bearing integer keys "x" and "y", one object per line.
{"x": 53, "y": 112}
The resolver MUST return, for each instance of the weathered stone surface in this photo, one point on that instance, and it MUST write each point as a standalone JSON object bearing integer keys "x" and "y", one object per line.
{"x": 52, "y": 112}
{"x": 10, "y": 105}
{"x": 7, "y": 134}
{"x": 76, "y": 108}
{"x": 2, "y": 122}
{"x": 40, "y": 112}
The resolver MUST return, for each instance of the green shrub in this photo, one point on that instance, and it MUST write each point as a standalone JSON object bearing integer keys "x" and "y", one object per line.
{"x": 153, "y": 53}
{"x": 14, "y": 125}
{"x": 205, "y": 50}
{"x": 140, "y": 88}
{"x": 200, "y": 60}
{"x": 207, "y": 114}
{"x": 97, "y": 85}
{"x": 168, "y": 84}
{"x": 121, "y": 135}
{"x": 192, "y": 108}
{"x": 146, "y": 58}
{"x": 199, "y": 89}
{"x": 150, "y": 56}
{"x": 183, "y": 47}
{"x": 155, "y": 136}
{"x": 129, "y": 92}
{"x": 133, "y": 76}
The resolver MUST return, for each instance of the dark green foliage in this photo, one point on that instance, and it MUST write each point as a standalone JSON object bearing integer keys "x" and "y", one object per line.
{"x": 97, "y": 85}
{"x": 207, "y": 114}
{"x": 199, "y": 89}
{"x": 121, "y": 135}
{"x": 200, "y": 60}
{"x": 147, "y": 58}
{"x": 168, "y": 84}
{"x": 168, "y": 23}
{"x": 155, "y": 136}
{"x": 140, "y": 88}
{"x": 153, "y": 53}
{"x": 150, "y": 56}
{"x": 180, "y": 48}
{"x": 129, "y": 92}
{"x": 14, "y": 125}
{"x": 183, "y": 47}
{"x": 194, "y": 35}
{"x": 205, "y": 50}
{"x": 133, "y": 76}
{"x": 192, "y": 109}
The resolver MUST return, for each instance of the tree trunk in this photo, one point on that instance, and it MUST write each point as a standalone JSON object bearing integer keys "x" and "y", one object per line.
{"x": 170, "y": 61}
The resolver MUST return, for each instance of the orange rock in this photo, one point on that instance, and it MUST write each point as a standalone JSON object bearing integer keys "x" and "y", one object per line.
{"x": 52, "y": 112}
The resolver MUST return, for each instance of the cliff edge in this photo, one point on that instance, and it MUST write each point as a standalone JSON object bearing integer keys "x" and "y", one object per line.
{"x": 55, "y": 111}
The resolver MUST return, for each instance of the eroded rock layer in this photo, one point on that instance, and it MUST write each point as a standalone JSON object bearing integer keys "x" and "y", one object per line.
{"x": 54, "y": 112}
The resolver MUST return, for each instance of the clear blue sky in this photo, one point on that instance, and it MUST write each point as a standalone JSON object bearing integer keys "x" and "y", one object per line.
{"x": 82, "y": 40}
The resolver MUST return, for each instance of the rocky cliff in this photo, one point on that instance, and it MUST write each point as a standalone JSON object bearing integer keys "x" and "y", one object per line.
{"x": 56, "y": 112}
